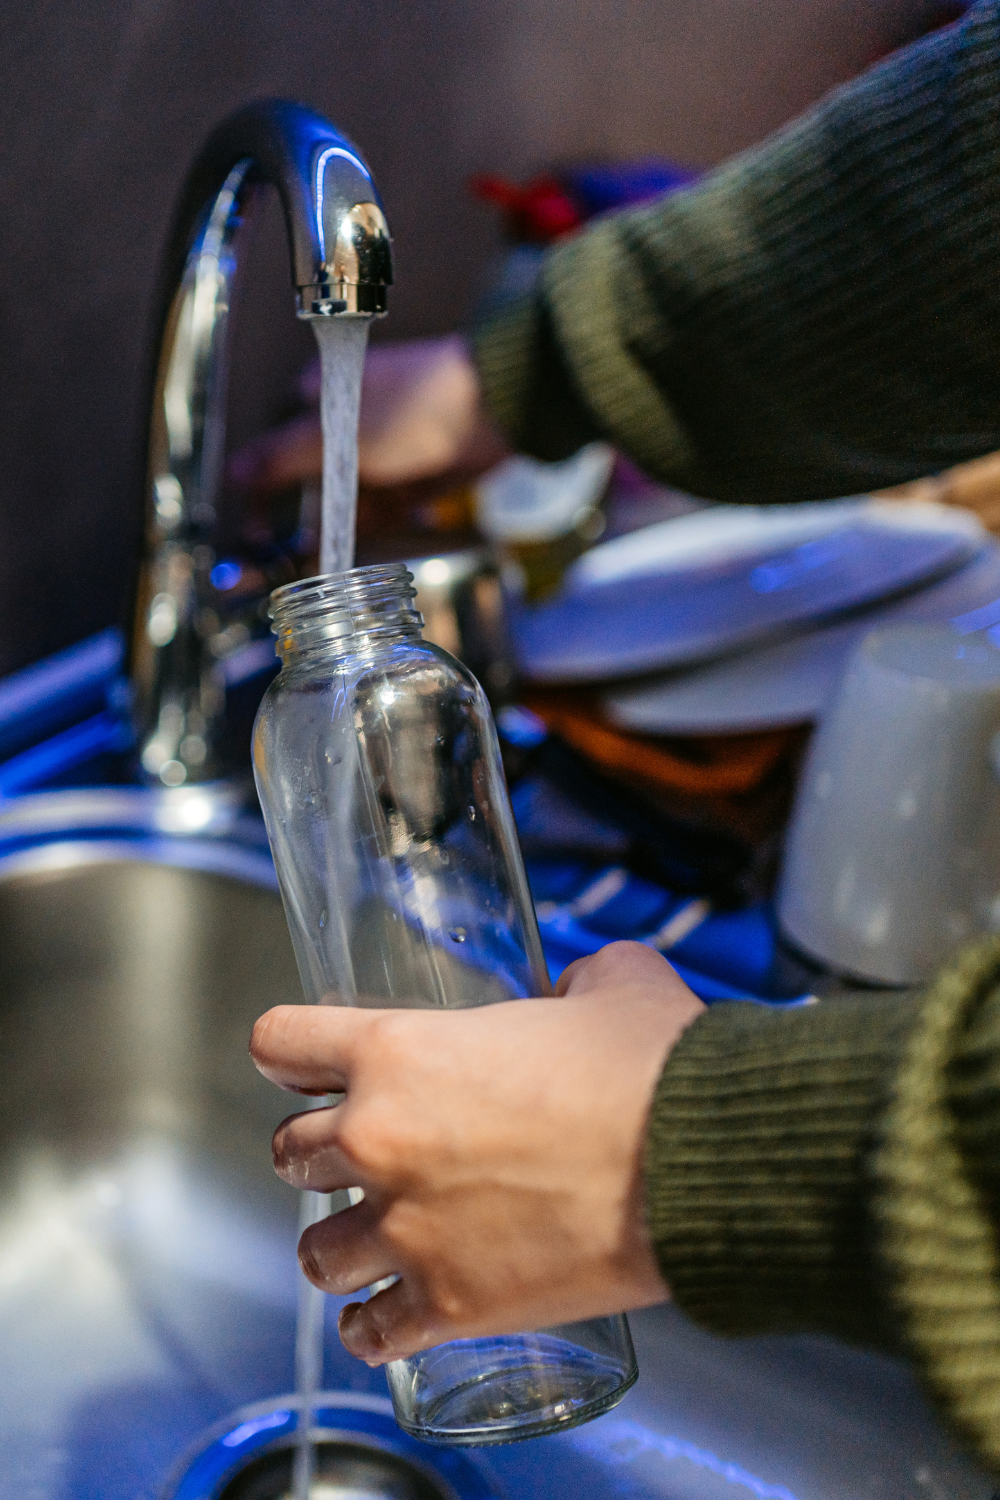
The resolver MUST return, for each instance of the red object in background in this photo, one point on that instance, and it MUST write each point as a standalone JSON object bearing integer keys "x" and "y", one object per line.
{"x": 557, "y": 202}
{"x": 537, "y": 211}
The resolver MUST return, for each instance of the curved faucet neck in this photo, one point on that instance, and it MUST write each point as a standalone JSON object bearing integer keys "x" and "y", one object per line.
{"x": 341, "y": 266}
{"x": 320, "y": 177}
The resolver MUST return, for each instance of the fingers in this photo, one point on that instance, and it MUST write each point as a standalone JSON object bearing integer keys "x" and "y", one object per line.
{"x": 309, "y": 1048}
{"x": 307, "y": 1154}
{"x": 390, "y": 1325}
{"x": 343, "y": 1253}
{"x": 618, "y": 964}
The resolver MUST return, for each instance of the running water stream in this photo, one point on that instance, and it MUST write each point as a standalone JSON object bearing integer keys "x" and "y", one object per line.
{"x": 308, "y": 1352}
{"x": 342, "y": 344}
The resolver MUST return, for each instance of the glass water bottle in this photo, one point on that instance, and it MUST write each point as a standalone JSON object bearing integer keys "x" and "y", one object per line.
{"x": 380, "y": 778}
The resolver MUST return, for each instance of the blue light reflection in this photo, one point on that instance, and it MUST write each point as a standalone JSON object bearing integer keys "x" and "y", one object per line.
{"x": 321, "y": 162}
{"x": 226, "y": 575}
{"x": 791, "y": 569}
{"x": 623, "y": 1442}
{"x": 247, "y": 1430}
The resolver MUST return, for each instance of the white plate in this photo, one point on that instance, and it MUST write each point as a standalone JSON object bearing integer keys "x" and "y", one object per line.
{"x": 696, "y": 587}
{"x": 792, "y": 681}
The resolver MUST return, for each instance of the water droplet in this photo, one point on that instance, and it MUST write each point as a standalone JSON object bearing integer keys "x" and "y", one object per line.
{"x": 472, "y": 813}
{"x": 458, "y": 934}
{"x": 322, "y": 917}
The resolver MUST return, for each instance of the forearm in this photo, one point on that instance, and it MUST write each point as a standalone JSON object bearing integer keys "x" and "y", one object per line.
{"x": 834, "y": 1169}
{"x": 818, "y": 317}
{"x": 758, "y": 1146}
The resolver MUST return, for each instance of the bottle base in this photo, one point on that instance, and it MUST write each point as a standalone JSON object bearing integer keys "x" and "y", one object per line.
{"x": 524, "y": 1388}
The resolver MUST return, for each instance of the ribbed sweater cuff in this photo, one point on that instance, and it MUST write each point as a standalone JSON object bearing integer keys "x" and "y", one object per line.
{"x": 505, "y": 348}
{"x": 937, "y": 1199}
{"x": 527, "y": 385}
{"x": 757, "y": 1156}
{"x": 600, "y": 309}
{"x": 556, "y": 371}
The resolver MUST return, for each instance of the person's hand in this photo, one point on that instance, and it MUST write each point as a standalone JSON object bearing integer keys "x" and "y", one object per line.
{"x": 500, "y": 1151}
{"x": 422, "y": 420}
{"x": 974, "y": 485}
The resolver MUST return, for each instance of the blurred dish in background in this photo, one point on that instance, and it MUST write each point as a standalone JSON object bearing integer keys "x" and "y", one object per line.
{"x": 893, "y": 852}
{"x": 792, "y": 681}
{"x": 541, "y": 517}
{"x": 693, "y": 588}
{"x": 459, "y": 596}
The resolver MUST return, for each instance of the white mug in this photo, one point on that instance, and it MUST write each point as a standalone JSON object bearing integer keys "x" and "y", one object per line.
{"x": 893, "y": 854}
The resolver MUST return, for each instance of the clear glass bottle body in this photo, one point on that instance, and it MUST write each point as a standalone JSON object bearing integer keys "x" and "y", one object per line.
{"x": 380, "y": 779}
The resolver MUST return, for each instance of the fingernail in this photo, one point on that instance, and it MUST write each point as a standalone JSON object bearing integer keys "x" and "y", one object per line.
{"x": 280, "y": 1159}
{"x": 310, "y": 1265}
{"x": 347, "y": 1328}
{"x": 353, "y": 1336}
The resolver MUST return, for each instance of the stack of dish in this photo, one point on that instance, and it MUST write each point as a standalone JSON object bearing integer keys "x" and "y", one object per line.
{"x": 738, "y": 618}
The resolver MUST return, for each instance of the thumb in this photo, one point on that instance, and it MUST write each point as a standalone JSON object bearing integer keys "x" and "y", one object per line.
{"x": 618, "y": 964}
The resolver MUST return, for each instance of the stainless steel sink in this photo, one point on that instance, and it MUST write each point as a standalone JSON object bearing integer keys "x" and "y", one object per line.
{"x": 147, "y": 1251}
{"x": 147, "y": 1265}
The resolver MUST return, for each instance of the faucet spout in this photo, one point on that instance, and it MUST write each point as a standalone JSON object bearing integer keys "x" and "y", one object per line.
{"x": 341, "y": 262}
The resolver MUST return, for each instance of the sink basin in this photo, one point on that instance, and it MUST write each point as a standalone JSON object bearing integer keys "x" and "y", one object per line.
{"x": 147, "y": 1251}
{"x": 147, "y": 1270}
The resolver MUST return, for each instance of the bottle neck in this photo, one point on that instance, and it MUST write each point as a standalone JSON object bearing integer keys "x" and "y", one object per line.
{"x": 326, "y": 618}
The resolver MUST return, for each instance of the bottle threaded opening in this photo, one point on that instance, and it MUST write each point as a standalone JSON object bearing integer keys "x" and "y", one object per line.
{"x": 371, "y": 602}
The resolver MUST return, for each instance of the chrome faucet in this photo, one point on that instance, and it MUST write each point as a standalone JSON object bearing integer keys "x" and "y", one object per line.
{"x": 341, "y": 266}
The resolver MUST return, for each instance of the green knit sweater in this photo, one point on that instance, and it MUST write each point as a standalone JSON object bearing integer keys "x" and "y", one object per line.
{"x": 820, "y": 317}
{"x": 836, "y": 1169}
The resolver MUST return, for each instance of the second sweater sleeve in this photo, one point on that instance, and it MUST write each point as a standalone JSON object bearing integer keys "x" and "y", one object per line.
{"x": 820, "y": 317}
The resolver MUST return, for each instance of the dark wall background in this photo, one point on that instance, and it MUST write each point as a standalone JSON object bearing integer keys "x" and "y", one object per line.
{"x": 103, "y": 106}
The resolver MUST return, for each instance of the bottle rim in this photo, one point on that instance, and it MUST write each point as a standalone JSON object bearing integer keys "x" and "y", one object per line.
{"x": 373, "y": 600}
